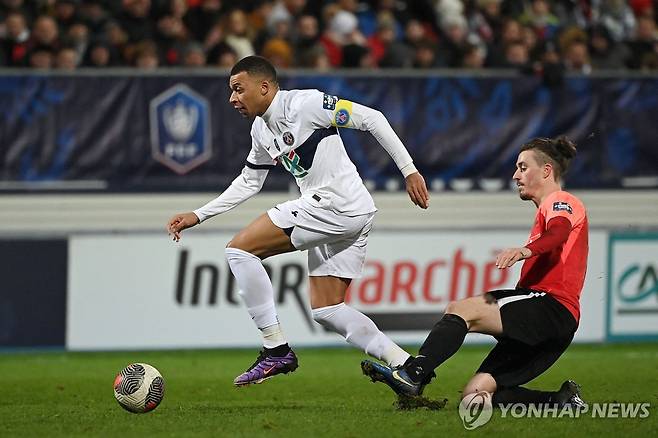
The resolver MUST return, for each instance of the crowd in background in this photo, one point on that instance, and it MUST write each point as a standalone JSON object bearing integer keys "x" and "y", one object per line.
{"x": 532, "y": 35}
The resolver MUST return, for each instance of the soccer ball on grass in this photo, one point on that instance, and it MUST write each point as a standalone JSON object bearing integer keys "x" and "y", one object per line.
{"x": 139, "y": 388}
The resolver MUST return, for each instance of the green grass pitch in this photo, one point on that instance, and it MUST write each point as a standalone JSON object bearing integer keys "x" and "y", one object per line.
{"x": 70, "y": 394}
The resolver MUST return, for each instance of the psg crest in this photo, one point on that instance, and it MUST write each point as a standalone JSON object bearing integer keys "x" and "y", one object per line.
{"x": 288, "y": 138}
{"x": 180, "y": 129}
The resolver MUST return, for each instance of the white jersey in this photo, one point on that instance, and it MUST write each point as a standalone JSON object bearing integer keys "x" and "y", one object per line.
{"x": 299, "y": 130}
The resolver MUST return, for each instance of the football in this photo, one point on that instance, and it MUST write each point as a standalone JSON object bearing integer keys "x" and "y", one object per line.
{"x": 139, "y": 388}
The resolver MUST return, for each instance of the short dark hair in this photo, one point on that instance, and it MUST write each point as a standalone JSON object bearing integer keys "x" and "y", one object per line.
{"x": 256, "y": 66}
{"x": 557, "y": 151}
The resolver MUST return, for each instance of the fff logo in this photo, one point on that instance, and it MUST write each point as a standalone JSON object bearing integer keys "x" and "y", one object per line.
{"x": 180, "y": 129}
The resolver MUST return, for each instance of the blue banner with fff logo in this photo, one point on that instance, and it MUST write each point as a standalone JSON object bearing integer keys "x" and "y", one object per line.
{"x": 179, "y": 132}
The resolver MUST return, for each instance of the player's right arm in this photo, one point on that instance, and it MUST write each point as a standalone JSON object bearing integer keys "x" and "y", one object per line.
{"x": 247, "y": 184}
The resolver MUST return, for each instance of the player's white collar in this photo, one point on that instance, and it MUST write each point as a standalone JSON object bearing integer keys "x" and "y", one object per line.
{"x": 267, "y": 115}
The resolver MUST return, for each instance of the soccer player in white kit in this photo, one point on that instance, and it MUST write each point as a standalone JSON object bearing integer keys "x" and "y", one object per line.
{"x": 331, "y": 219}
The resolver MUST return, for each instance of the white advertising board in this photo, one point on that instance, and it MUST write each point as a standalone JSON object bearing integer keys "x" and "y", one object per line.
{"x": 142, "y": 291}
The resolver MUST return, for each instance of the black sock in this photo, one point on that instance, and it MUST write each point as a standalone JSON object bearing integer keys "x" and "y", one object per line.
{"x": 519, "y": 394}
{"x": 279, "y": 350}
{"x": 443, "y": 341}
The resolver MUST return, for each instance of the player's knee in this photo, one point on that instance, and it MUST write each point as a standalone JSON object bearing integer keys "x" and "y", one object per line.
{"x": 480, "y": 382}
{"x": 233, "y": 243}
{"x": 319, "y": 316}
{"x": 324, "y": 315}
{"x": 239, "y": 241}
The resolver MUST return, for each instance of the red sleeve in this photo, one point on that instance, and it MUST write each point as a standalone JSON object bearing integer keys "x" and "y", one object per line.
{"x": 557, "y": 232}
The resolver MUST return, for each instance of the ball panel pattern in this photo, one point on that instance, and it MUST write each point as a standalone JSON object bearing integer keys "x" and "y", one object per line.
{"x": 132, "y": 378}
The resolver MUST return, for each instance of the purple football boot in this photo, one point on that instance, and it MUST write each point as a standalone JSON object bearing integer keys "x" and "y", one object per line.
{"x": 267, "y": 366}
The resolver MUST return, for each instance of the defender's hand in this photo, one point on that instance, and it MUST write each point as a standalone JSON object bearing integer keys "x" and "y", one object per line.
{"x": 417, "y": 190}
{"x": 508, "y": 257}
{"x": 181, "y": 222}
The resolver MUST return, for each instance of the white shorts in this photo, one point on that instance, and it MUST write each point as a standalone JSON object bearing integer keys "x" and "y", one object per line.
{"x": 336, "y": 244}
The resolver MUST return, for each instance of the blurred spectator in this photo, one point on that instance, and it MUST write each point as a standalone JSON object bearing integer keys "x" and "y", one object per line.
{"x": 41, "y": 57}
{"x": 77, "y": 37}
{"x": 100, "y": 54}
{"x": 15, "y": 44}
{"x": 644, "y": 45}
{"x": 569, "y": 36}
{"x": 307, "y": 42}
{"x": 516, "y": 55}
{"x": 369, "y": 15}
{"x": 342, "y": 26}
{"x": 65, "y": 12}
{"x": 380, "y": 42}
{"x": 511, "y": 32}
{"x": 194, "y": 55}
{"x": 67, "y": 58}
{"x": 279, "y": 52}
{"x": 318, "y": 59}
{"x": 425, "y": 55}
{"x": 222, "y": 55}
{"x": 486, "y": 20}
{"x": 605, "y": 53}
{"x": 214, "y": 36}
{"x": 609, "y": 34}
{"x": 279, "y": 29}
{"x": 171, "y": 26}
{"x": 201, "y": 18}
{"x": 642, "y": 7}
{"x": 237, "y": 35}
{"x": 531, "y": 42}
{"x": 135, "y": 19}
{"x": 616, "y": 16}
{"x": 145, "y": 55}
{"x": 449, "y": 9}
{"x": 45, "y": 33}
{"x": 94, "y": 14}
{"x": 576, "y": 57}
{"x": 259, "y": 15}
{"x": 286, "y": 10}
{"x": 357, "y": 56}
{"x": 117, "y": 38}
{"x": 539, "y": 16}
{"x": 550, "y": 66}
{"x": 172, "y": 32}
{"x": 474, "y": 57}
{"x": 455, "y": 32}
{"x": 401, "y": 54}
{"x": 29, "y": 9}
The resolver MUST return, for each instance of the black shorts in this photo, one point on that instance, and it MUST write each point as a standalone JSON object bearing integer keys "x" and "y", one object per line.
{"x": 537, "y": 329}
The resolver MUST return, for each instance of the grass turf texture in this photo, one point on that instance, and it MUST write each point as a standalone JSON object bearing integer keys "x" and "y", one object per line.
{"x": 70, "y": 394}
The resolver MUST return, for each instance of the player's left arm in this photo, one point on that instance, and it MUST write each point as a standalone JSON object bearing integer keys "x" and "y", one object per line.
{"x": 557, "y": 232}
{"x": 342, "y": 113}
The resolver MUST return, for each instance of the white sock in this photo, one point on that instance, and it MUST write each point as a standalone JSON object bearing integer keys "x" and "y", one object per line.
{"x": 359, "y": 330}
{"x": 257, "y": 293}
{"x": 273, "y": 336}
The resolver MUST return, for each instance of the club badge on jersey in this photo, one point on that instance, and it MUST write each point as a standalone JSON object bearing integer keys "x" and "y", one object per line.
{"x": 288, "y": 138}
